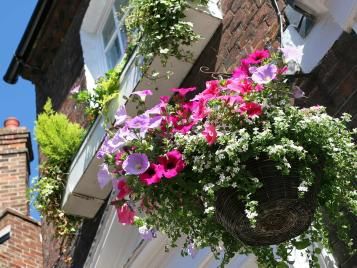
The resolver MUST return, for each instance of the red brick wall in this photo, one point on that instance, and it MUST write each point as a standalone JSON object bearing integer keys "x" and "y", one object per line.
{"x": 24, "y": 248}
{"x": 14, "y": 169}
{"x": 333, "y": 83}
{"x": 247, "y": 25}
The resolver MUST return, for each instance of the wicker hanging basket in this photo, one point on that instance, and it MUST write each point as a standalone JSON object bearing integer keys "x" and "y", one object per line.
{"x": 281, "y": 214}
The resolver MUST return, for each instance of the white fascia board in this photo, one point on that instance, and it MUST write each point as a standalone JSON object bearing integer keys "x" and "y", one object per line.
{"x": 82, "y": 180}
{"x": 317, "y": 43}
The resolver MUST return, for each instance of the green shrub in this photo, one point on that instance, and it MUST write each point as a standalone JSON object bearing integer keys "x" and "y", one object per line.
{"x": 58, "y": 138}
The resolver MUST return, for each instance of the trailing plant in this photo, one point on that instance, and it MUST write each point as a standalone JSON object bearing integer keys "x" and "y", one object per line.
{"x": 155, "y": 28}
{"x": 59, "y": 140}
{"x": 159, "y": 29}
{"x": 169, "y": 163}
{"x": 96, "y": 101}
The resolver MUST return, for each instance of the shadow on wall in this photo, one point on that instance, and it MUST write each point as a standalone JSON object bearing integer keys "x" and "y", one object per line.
{"x": 208, "y": 58}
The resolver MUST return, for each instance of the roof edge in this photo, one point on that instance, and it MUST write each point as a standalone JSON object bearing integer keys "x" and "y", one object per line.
{"x": 28, "y": 39}
{"x": 18, "y": 214}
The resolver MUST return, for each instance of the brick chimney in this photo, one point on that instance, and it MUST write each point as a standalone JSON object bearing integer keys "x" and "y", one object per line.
{"x": 15, "y": 156}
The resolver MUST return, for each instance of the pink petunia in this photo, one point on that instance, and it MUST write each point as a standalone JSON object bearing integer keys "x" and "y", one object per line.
{"x": 211, "y": 91}
{"x": 183, "y": 91}
{"x": 172, "y": 163}
{"x": 152, "y": 175}
{"x": 126, "y": 214}
{"x": 258, "y": 56}
{"x": 252, "y": 109}
{"x": 210, "y": 134}
{"x": 123, "y": 189}
{"x": 242, "y": 71}
{"x": 242, "y": 86}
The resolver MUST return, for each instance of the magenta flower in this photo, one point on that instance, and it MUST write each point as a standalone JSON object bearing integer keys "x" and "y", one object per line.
{"x": 291, "y": 53}
{"x": 140, "y": 121}
{"x": 120, "y": 116}
{"x": 123, "y": 189}
{"x": 258, "y": 56}
{"x": 152, "y": 175}
{"x": 142, "y": 94}
{"x": 252, "y": 109}
{"x": 164, "y": 100}
{"x": 136, "y": 164}
{"x": 265, "y": 74}
{"x": 126, "y": 214}
{"x": 180, "y": 125}
{"x": 242, "y": 71}
{"x": 211, "y": 91}
{"x": 172, "y": 163}
{"x": 199, "y": 110}
{"x": 183, "y": 91}
{"x": 104, "y": 176}
{"x": 238, "y": 85}
{"x": 210, "y": 134}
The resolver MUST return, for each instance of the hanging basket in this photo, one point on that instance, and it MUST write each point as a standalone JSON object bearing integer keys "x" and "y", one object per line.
{"x": 281, "y": 214}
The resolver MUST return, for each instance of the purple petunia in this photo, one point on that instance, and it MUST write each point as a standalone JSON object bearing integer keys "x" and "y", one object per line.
{"x": 140, "y": 121}
{"x": 291, "y": 53}
{"x": 142, "y": 94}
{"x": 104, "y": 176}
{"x": 298, "y": 93}
{"x": 115, "y": 143}
{"x": 265, "y": 74}
{"x": 146, "y": 233}
{"x": 120, "y": 116}
{"x": 192, "y": 250}
{"x": 136, "y": 164}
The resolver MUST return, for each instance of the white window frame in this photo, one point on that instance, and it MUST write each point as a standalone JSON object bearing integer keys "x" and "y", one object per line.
{"x": 95, "y": 63}
{"x": 332, "y": 19}
{"x": 118, "y": 24}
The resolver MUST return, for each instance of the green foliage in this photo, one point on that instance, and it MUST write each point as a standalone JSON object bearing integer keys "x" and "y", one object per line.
{"x": 57, "y": 137}
{"x": 59, "y": 140}
{"x": 107, "y": 88}
{"x": 159, "y": 29}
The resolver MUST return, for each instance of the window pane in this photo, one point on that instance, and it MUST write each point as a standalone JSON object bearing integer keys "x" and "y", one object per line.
{"x": 119, "y": 4}
{"x": 109, "y": 29}
{"x": 123, "y": 37}
{"x": 113, "y": 54}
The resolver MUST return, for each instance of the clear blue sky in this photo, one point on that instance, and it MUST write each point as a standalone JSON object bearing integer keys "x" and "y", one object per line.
{"x": 16, "y": 100}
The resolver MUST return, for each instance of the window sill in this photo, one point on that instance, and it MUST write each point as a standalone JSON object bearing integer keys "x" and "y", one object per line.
{"x": 83, "y": 196}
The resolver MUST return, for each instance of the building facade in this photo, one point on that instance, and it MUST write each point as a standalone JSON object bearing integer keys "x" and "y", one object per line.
{"x": 66, "y": 45}
{"x": 20, "y": 235}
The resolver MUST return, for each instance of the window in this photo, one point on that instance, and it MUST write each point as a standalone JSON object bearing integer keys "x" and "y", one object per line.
{"x": 299, "y": 19}
{"x": 114, "y": 34}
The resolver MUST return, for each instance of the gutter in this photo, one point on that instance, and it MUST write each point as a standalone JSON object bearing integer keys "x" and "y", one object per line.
{"x": 28, "y": 40}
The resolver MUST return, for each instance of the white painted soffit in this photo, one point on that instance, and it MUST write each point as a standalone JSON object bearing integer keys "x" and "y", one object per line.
{"x": 83, "y": 196}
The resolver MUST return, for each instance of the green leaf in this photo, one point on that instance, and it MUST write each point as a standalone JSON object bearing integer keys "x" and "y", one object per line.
{"x": 302, "y": 244}
{"x": 317, "y": 250}
{"x": 282, "y": 265}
